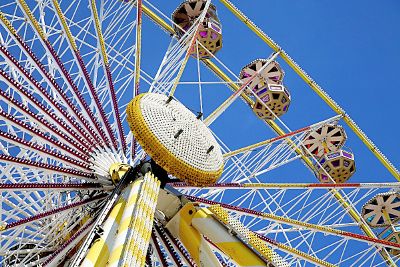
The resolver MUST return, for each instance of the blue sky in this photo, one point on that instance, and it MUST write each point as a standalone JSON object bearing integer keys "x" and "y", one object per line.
{"x": 350, "y": 49}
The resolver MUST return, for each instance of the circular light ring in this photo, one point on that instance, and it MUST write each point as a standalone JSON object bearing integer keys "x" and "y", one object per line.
{"x": 193, "y": 156}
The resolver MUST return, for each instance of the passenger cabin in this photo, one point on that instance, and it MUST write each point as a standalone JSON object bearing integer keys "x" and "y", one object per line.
{"x": 339, "y": 165}
{"x": 266, "y": 89}
{"x": 210, "y": 30}
{"x": 391, "y": 234}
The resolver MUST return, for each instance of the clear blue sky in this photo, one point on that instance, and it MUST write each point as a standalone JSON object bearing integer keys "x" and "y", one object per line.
{"x": 349, "y": 48}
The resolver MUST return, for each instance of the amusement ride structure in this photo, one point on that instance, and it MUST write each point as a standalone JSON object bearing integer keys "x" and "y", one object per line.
{"x": 95, "y": 172}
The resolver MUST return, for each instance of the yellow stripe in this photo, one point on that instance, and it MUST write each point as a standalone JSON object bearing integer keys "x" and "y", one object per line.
{"x": 99, "y": 252}
{"x": 7, "y": 23}
{"x": 236, "y": 250}
{"x": 144, "y": 227}
{"x": 133, "y": 190}
{"x": 65, "y": 25}
{"x": 135, "y": 248}
{"x": 35, "y": 23}
{"x": 138, "y": 43}
{"x": 99, "y": 33}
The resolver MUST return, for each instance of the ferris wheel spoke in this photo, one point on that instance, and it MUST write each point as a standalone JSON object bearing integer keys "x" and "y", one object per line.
{"x": 22, "y": 211}
{"x": 13, "y": 139}
{"x": 42, "y": 93}
{"x": 45, "y": 234}
{"x": 191, "y": 45}
{"x": 218, "y": 111}
{"x": 312, "y": 186}
{"x": 168, "y": 245}
{"x": 295, "y": 252}
{"x": 119, "y": 50}
{"x": 49, "y": 78}
{"x": 45, "y": 167}
{"x": 183, "y": 253}
{"x": 176, "y": 58}
{"x": 155, "y": 242}
{"x": 84, "y": 72}
{"x": 73, "y": 153}
{"x": 138, "y": 51}
{"x": 90, "y": 186}
{"x": 64, "y": 73}
{"x": 26, "y": 111}
{"x": 44, "y": 110}
{"x": 107, "y": 71}
{"x": 253, "y": 161}
{"x": 69, "y": 244}
{"x": 51, "y": 212}
{"x": 53, "y": 238}
{"x": 116, "y": 19}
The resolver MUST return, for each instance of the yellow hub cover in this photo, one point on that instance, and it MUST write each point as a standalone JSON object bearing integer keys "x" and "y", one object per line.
{"x": 175, "y": 139}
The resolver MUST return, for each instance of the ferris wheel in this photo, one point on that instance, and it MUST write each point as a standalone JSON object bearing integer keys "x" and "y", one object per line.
{"x": 107, "y": 160}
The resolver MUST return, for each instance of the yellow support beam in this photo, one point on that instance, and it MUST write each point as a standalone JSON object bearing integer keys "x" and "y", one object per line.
{"x": 35, "y": 23}
{"x": 107, "y": 71}
{"x": 98, "y": 254}
{"x": 119, "y": 243}
{"x": 213, "y": 67}
{"x": 263, "y": 143}
{"x": 180, "y": 226}
{"x": 142, "y": 223}
{"x": 217, "y": 231}
{"x": 317, "y": 89}
{"x": 99, "y": 32}
{"x": 260, "y": 245}
{"x": 65, "y": 25}
{"x": 138, "y": 45}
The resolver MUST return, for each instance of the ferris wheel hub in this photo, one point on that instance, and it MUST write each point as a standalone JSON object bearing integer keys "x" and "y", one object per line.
{"x": 117, "y": 170}
{"x": 175, "y": 139}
